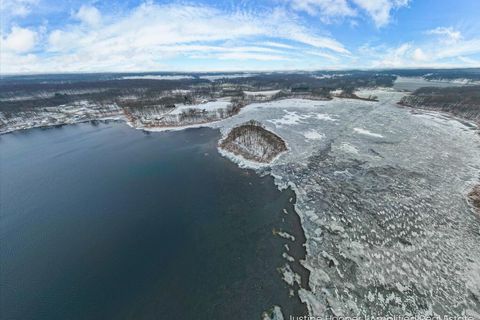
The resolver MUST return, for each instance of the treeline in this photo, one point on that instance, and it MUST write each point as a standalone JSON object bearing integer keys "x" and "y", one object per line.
{"x": 18, "y": 95}
{"x": 459, "y": 101}
{"x": 313, "y": 82}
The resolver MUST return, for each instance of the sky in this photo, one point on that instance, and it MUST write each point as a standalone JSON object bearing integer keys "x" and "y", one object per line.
{"x": 51, "y": 36}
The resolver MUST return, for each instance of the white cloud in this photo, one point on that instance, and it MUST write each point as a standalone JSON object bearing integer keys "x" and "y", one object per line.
{"x": 449, "y": 34}
{"x": 297, "y": 34}
{"x": 20, "y": 40}
{"x": 425, "y": 54}
{"x": 326, "y": 9}
{"x": 88, "y": 15}
{"x": 153, "y": 25}
{"x": 19, "y": 8}
{"x": 250, "y": 56}
{"x": 278, "y": 45}
{"x": 380, "y": 10}
{"x": 151, "y": 34}
{"x": 323, "y": 55}
{"x": 461, "y": 48}
{"x": 469, "y": 61}
{"x": 396, "y": 57}
{"x": 419, "y": 55}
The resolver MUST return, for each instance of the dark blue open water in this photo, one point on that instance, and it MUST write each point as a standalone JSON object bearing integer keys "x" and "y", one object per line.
{"x": 106, "y": 222}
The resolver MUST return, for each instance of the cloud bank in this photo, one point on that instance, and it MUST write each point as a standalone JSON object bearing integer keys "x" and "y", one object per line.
{"x": 329, "y": 10}
{"x": 186, "y": 36}
{"x": 151, "y": 33}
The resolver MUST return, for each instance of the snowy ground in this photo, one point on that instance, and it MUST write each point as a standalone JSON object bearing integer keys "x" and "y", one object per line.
{"x": 266, "y": 93}
{"x": 210, "y": 106}
{"x": 381, "y": 193}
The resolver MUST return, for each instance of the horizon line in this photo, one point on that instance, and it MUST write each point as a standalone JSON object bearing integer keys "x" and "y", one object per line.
{"x": 235, "y": 71}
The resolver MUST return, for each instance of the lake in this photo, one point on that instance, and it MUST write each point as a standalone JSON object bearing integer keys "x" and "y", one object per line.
{"x": 101, "y": 221}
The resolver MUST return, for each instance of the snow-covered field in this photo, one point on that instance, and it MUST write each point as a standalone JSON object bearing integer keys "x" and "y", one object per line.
{"x": 266, "y": 93}
{"x": 210, "y": 106}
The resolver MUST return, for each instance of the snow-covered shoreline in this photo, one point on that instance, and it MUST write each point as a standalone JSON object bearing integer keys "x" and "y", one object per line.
{"x": 152, "y": 119}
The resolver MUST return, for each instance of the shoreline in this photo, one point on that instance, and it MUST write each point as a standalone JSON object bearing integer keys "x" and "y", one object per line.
{"x": 124, "y": 117}
{"x": 450, "y": 115}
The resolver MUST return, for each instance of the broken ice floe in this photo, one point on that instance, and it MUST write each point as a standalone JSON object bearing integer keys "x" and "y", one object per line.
{"x": 382, "y": 203}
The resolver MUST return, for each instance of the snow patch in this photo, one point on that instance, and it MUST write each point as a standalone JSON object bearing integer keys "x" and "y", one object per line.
{"x": 290, "y": 118}
{"x": 367, "y": 132}
{"x": 274, "y": 314}
{"x": 289, "y": 276}
{"x": 210, "y": 106}
{"x": 286, "y": 235}
{"x": 326, "y": 117}
{"x": 313, "y": 135}
{"x": 267, "y": 93}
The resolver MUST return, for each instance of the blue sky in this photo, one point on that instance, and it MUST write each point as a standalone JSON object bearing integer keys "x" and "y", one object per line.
{"x": 39, "y": 36}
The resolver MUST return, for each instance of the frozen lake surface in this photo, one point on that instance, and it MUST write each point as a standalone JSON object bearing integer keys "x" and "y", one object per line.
{"x": 381, "y": 195}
